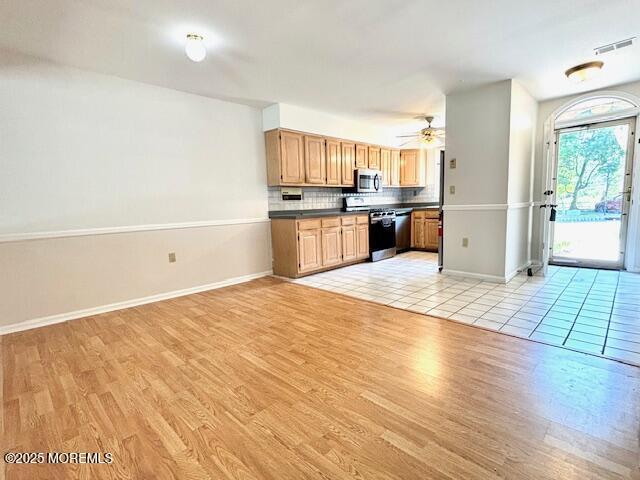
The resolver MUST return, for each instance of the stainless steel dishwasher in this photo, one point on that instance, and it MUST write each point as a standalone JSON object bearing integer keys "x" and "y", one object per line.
{"x": 403, "y": 229}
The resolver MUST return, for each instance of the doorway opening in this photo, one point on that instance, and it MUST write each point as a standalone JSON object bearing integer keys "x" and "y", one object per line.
{"x": 592, "y": 188}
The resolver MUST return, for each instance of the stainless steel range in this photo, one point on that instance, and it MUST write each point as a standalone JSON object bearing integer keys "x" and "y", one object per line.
{"x": 382, "y": 227}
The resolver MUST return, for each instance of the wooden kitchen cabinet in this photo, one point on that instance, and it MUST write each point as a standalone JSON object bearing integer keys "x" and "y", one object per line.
{"x": 362, "y": 236}
{"x": 285, "y": 157}
{"x": 331, "y": 246}
{"x": 311, "y": 245}
{"x": 417, "y": 229}
{"x": 334, "y": 162}
{"x": 349, "y": 239}
{"x": 302, "y": 159}
{"x": 349, "y": 243}
{"x": 374, "y": 158}
{"x": 331, "y": 242}
{"x": 314, "y": 159}
{"x": 395, "y": 168}
{"x": 410, "y": 174}
{"x": 348, "y": 151}
{"x": 385, "y": 166}
{"x": 362, "y": 156}
{"x": 431, "y": 234}
{"x": 424, "y": 229}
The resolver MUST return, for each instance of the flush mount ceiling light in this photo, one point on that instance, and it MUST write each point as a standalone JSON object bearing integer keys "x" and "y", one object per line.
{"x": 194, "y": 47}
{"x": 584, "y": 71}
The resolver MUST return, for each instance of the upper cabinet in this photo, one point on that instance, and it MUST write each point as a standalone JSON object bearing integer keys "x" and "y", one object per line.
{"x": 302, "y": 159}
{"x": 334, "y": 162}
{"x": 348, "y": 151}
{"x": 385, "y": 166}
{"x": 362, "y": 156}
{"x": 314, "y": 159}
{"x": 395, "y": 168}
{"x": 411, "y": 174}
{"x": 285, "y": 157}
{"x": 374, "y": 157}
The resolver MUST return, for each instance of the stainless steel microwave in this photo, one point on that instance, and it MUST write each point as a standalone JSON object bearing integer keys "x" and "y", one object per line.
{"x": 368, "y": 180}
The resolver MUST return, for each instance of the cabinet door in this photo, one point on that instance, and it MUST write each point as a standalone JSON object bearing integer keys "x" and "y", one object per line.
{"x": 291, "y": 157}
{"x": 349, "y": 243}
{"x": 363, "y": 240}
{"x": 409, "y": 174}
{"x": 309, "y": 250}
{"x": 385, "y": 165}
{"x": 362, "y": 156}
{"x": 331, "y": 246}
{"x": 395, "y": 168}
{"x": 334, "y": 162}
{"x": 314, "y": 159}
{"x": 431, "y": 233}
{"x": 374, "y": 157}
{"x": 417, "y": 233}
{"x": 348, "y": 163}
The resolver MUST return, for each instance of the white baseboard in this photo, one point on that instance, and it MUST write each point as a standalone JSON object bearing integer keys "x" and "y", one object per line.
{"x": 87, "y": 312}
{"x": 479, "y": 276}
{"x": 515, "y": 272}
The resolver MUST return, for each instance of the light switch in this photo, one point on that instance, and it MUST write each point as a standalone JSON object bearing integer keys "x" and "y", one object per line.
{"x": 172, "y": 257}
{"x": 452, "y": 163}
{"x": 452, "y": 189}
{"x": 465, "y": 242}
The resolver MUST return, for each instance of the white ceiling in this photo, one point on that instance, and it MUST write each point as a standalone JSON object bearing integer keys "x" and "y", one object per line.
{"x": 379, "y": 60}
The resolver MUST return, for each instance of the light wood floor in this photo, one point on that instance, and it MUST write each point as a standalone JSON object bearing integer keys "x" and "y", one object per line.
{"x": 279, "y": 381}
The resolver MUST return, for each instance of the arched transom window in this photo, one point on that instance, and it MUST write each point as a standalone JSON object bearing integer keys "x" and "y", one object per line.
{"x": 594, "y": 107}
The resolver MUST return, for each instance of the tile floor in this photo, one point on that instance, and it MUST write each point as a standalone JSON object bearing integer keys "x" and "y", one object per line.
{"x": 595, "y": 311}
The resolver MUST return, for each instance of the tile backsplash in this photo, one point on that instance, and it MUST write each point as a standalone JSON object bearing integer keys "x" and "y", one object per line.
{"x": 322, "y": 197}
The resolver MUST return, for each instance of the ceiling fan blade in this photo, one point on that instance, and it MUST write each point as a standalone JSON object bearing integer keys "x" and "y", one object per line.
{"x": 406, "y": 143}
{"x": 413, "y": 135}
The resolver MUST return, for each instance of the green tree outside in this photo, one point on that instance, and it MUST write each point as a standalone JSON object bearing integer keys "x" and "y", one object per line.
{"x": 590, "y": 163}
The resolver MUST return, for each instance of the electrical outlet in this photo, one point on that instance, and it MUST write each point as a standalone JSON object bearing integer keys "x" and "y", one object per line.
{"x": 452, "y": 189}
{"x": 172, "y": 257}
{"x": 452, "y": 163}
{"x": 465, "y": 242}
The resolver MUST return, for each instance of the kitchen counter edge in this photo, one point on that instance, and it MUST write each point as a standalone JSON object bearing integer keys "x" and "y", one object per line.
{"x": 335, "y": 212}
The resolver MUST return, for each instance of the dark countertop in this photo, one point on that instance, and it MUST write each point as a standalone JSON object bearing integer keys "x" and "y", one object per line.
{"x": 336, "y": 212}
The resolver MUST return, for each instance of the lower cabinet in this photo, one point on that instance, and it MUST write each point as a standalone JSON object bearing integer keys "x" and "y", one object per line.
{"x": 349, "y": 239}
{"x": 331, "y": 242}
{"x": 431, "y": 234}
{"x": 424, "y": 229}
{"x": 363, "y": 239}
{"x": 309, "y": 245}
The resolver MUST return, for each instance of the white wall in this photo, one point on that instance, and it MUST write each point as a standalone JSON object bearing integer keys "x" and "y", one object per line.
{"x": 282, "y": 115}
{"x": 545, "y": 110}
{"x": 490, "y": 132}
{"x": 478, "y": 138}
{"x": 80, "y": 151}
{"x": 524, "y": 110}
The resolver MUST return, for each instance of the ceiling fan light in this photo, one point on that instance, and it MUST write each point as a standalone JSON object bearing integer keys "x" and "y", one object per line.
{"x": 584, "y": 72}
{"x": 194, "y": 47}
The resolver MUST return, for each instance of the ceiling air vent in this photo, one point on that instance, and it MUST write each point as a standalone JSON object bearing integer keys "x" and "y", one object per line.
{"x": 614, "y": 46}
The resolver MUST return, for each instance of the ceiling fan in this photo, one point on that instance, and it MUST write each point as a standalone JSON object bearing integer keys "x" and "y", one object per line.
{"x": 428, "y": 135}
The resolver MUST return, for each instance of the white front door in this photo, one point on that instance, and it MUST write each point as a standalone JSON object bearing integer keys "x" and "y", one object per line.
{"x": 592, "y": 191}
